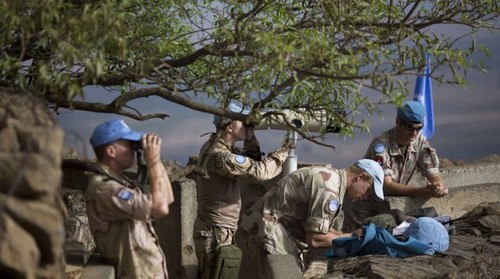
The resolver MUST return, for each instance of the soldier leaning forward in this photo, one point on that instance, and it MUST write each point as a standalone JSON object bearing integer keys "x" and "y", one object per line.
{"x": 300, "y": 211}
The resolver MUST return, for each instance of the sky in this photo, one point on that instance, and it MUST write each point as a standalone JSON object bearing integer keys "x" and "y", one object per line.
{"x": 467, "y": 122}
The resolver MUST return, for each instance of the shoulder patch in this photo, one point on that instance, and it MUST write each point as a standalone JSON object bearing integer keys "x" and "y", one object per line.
{"x": 125, "y": 194}
{"x": 379, "y": 147}
{"x": 240, "y": 159}
{"x": 333, "y": 205}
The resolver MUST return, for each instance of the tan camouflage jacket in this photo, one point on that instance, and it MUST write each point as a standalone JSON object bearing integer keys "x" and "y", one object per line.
{"x": 219, "y": 200}
{"x": 400, "y": 166}
{"x": 307, "y": 200}
{"x": 119, "y": 217}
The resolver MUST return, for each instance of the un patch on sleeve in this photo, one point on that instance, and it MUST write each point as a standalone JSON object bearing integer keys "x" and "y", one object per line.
{"x": 125, "y": 194}
{"x": 333, "y": 205}
{"x": 240, "y": 159}
{"x": 379, "y": 147}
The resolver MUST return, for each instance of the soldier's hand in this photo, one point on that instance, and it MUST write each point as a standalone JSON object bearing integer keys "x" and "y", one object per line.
{"x": 439, "y": 189}
{"x": 151, "y": 143}
{"x": 358, "y": 232}
{"x": 436, "y": 190}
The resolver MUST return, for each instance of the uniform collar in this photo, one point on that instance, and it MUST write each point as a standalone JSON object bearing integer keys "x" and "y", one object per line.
{"x": 105, "y": 170}
{"x": 220, "y": 140}
{"x": 394, "y": 148}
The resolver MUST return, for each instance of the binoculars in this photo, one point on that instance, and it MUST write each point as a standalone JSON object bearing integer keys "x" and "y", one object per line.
{"x": 317, "y": 121}
{"x": 136, "y": 145}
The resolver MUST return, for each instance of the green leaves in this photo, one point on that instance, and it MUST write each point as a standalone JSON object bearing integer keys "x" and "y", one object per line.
{"x": 334, "y": 55}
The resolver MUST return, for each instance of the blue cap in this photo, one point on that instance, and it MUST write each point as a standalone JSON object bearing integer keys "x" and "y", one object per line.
{"x": 375, "y": 171}
{"x": 233, "y": 108}
{"x": 111, "y": 131}
{"x": 412, "y": 111}
{"x": 431, "y": 232}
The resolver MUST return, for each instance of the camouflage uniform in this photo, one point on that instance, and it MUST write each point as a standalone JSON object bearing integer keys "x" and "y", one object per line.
{"x": 400, "y": 164}
{"x": 119, "y": 217}
{"x": 219, "y": 199}
{"x": 307, "y": 200}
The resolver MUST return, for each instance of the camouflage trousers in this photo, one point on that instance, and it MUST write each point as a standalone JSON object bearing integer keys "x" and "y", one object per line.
{"x": 206, "y": 239}
{"x": 257, "y": 237}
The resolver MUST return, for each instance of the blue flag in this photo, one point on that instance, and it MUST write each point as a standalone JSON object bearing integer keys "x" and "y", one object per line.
{"x": 423, "y": 94}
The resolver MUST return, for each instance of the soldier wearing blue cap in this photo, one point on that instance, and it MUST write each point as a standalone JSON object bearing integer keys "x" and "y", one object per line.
{"x": 402, "y": 150}
{"x": 301, "y": 211}
{"x": 219, "y": 200}
{"x": 119, "y": 213}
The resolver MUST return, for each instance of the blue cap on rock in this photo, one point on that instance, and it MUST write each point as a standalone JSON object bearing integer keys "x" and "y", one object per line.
{"x": 233, "y": 108}
{"x": 412, "y": 111}
{"x": 431, "y": 232}
{"x": 111, "y": 131}
{"x": 375, "y": 171}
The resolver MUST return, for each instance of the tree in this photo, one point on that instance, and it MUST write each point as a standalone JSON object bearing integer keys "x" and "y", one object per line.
{"x": 266, "y": 54}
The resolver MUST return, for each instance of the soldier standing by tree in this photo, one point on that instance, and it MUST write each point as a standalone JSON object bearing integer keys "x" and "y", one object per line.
{"x": 219, "y": 199}
{"x": 119, "y": 212}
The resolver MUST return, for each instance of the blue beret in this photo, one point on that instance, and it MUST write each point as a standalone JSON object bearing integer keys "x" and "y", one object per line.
{"x": 412, "y": 111}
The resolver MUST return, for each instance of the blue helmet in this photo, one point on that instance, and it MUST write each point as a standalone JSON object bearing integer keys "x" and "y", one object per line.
{"x": 221, "y": 121}
{"x": 111, "y": 131}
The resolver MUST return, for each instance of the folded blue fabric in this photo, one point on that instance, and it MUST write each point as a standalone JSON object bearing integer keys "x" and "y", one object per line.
{"x": 376, "y": 240}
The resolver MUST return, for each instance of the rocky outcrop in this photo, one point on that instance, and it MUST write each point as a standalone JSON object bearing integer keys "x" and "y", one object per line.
{"x": 32, "y": 213}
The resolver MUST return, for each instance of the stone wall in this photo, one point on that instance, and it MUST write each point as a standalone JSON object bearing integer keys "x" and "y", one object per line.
{"x": 32, "y": 213}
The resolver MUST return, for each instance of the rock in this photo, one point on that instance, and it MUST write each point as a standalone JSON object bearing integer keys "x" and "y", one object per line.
{"x": 32, "y": 212}
{"x": 19, "y": 254}
{"x": 30, "y": 173}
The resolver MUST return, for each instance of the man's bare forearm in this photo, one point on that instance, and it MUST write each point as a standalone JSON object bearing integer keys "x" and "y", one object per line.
{"x": 398, "y": 189}
{"x": 160, "y": 187}
{"x": 319, "y": 240}
{"x": 159, "y": 182}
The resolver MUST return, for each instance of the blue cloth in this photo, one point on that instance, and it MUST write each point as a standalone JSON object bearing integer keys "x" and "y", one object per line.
{"x": 111, "y": 131}
{"x": 379, "y": 241}
{"x": 430, "y": 231}
{"x": 423, "y": 94}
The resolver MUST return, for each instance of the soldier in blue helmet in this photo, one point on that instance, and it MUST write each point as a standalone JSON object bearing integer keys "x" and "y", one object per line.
{"x": 219, "y": 200}
{"x": 119, "y": 212}
{"x": 402, "y": 150}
